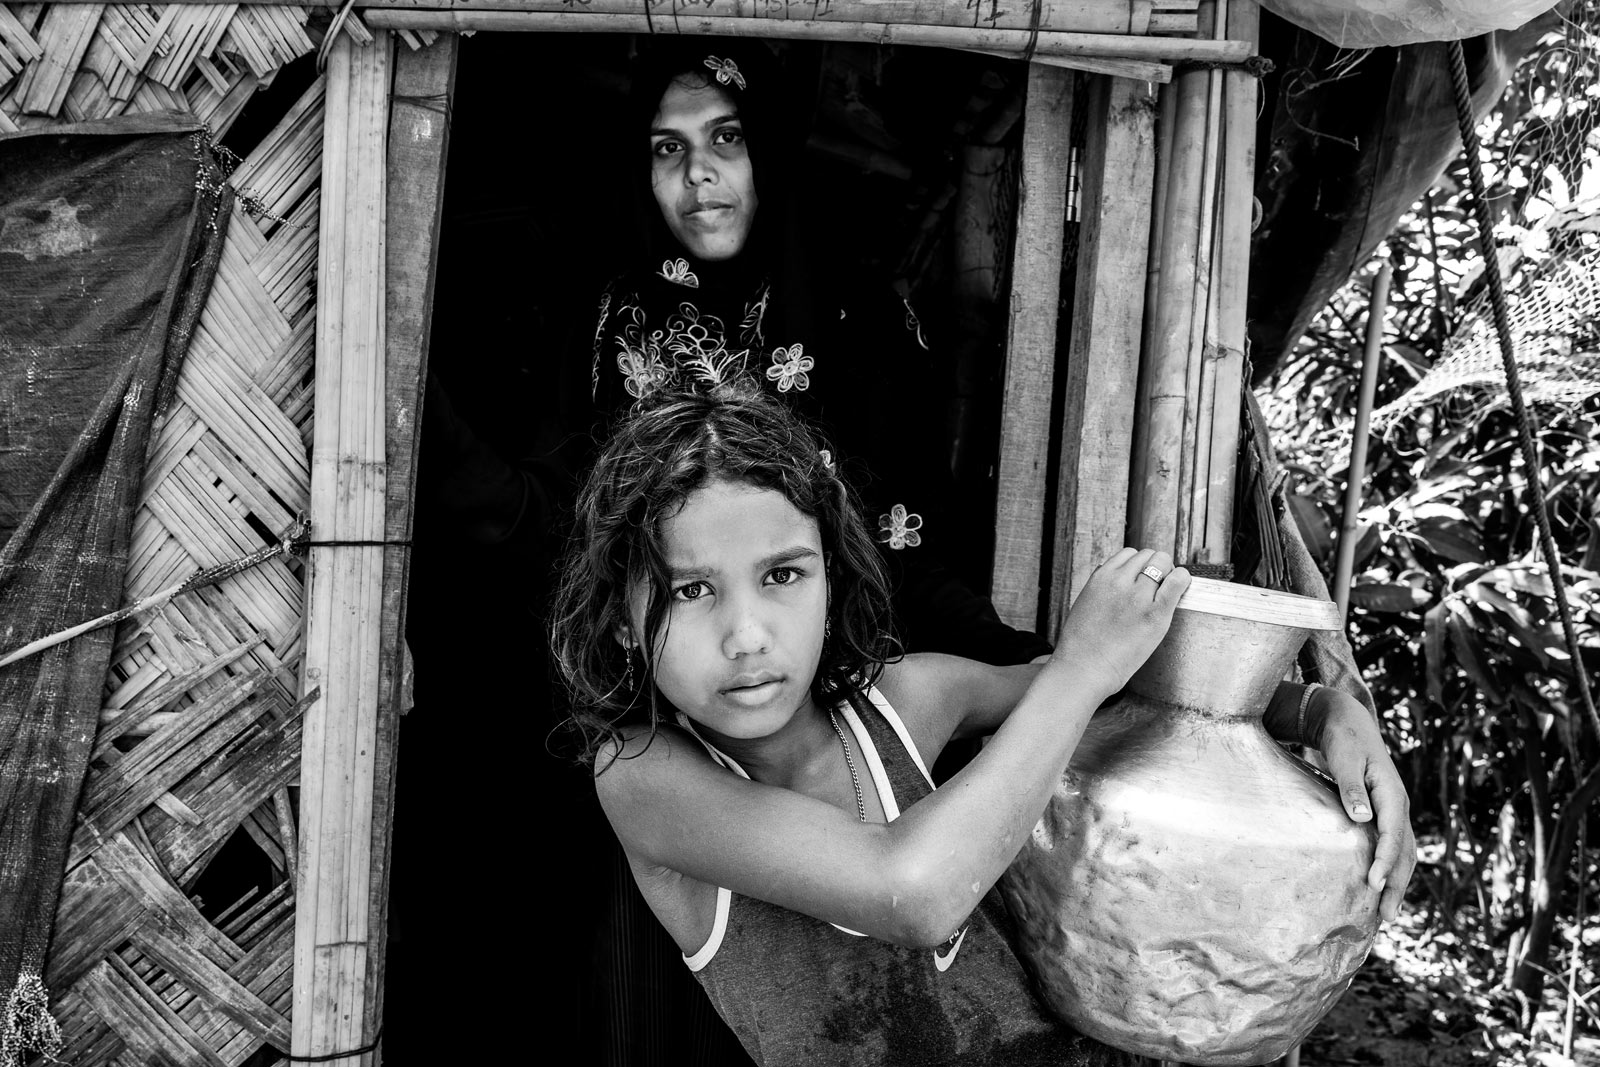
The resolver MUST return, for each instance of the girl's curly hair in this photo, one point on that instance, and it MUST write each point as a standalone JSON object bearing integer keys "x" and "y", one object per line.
{"x": 651, "y": 464}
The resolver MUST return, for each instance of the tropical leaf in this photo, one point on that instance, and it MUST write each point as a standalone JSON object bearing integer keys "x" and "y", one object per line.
{"x": 1469, "y": 652}
{"x": 1433, "y": 651}
{"x": 1452, "y": 539}
{"x": 1388, "y": 596}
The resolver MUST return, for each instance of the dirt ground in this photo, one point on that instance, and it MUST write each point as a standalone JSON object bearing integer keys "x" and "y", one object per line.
{"x": 1422, "y": 1001}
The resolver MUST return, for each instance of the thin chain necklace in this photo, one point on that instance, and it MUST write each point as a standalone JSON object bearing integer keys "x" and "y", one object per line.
{"x": 849, "y": 761}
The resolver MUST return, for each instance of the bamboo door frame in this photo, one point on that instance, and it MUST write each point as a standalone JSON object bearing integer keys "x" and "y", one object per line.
{"x": 339, "y": 984}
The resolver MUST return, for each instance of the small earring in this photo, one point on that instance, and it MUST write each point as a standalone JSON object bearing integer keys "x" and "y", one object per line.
{"x": 827, "y": 629}
{"x": 627, "y": 677}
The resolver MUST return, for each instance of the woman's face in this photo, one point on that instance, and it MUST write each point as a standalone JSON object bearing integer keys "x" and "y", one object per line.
{"x": 700, "y": 169}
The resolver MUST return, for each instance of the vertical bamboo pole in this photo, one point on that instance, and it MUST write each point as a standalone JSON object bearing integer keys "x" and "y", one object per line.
{"x": 1030, "y": 346}
{"x": 1102, "y": 368}
{"x": 1232, "y": 286}
{"x": 424, "y": 84}
{"x": 1194, "y": 465}
{"x": 1345, "y": 558}
{"x": 1155, "y": 494}
{"x": 335, "y": 932}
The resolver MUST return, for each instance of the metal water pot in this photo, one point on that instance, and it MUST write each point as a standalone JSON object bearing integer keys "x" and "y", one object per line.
{"x": 1193, "y": 892}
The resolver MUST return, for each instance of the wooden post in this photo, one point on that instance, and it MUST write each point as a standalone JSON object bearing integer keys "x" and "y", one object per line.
{"x": 1031, "y": 346}
{"x": 337, "y": 929}
{"x": 1232, "y": 276}
{"x": 1102, "y": 368}
{"x": 419, "y": 131}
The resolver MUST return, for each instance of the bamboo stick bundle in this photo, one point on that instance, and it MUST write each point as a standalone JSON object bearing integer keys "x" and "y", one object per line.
{"x": 246, "y": 39}
{"x": 17, "y": 46}
{"x": 194, "y": 33}
{"x": 211, "y": 73}
{"x": 288, "y": 161}
{"x": 63, "y": 38}
{"x": 157, "y": 43}
{"x": 1130, "y": 17}
{"x": 153, "y": 96}
{"x": 1233, "y": 279}
{"x": 87, "y": 99}
{"x": 1009, "y": 41}
{"x": 128, "y": 28}
{"x": 1200, "y": 378}
{"x": 1154, "y": 498}
{"x": 333, "y": 928}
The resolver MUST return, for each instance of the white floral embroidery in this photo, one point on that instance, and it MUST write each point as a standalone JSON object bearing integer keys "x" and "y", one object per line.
{"x": 755, "y": 312}
{"x": 644, "y": 372}
{"x": 789, "y": 366}
{"x": 677, "y": 271}
{"x": 691, "y": 348}
{"x": 727, "y": 70}
{"x": 898, "y": 529}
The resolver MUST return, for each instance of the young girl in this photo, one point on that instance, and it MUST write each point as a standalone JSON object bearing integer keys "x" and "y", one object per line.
{"x": 764, "y": 761}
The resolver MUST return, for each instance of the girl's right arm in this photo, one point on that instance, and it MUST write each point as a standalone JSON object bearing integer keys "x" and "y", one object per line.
{"x": 915, "y": 880}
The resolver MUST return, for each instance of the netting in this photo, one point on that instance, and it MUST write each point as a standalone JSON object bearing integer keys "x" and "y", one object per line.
{"x": 1546, "y": 159}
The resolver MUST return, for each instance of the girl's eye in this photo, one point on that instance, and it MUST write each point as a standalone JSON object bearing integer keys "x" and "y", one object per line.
{"x": 691, "y": 591}
{"x": 666, "y": 148}
{"x": 785, "y": 575}
{"x": 728, "y": 135}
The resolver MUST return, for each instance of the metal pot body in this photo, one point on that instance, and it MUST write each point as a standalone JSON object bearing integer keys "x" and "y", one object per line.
{"x": 1193, "y": 892}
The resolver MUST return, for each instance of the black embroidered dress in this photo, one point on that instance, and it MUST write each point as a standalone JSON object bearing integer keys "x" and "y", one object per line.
{"x": 855, "y": 363}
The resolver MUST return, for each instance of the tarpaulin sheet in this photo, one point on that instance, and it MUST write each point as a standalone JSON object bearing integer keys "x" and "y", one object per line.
{"x": 1377, "y": 23}
{"x": 108, "y": 240}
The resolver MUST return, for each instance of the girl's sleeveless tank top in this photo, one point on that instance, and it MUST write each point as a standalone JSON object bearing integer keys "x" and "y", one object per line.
{"x": 800, "y": 991}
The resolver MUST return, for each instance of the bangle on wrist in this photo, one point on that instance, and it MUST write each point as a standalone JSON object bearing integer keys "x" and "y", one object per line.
{"x": 1300, "y": 719}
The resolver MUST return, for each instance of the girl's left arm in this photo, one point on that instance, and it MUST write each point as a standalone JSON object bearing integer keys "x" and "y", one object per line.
{"x": 1345, "y": 732}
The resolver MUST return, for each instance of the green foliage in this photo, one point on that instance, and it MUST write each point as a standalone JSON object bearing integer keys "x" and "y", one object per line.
{"x": 1452, "y": 612}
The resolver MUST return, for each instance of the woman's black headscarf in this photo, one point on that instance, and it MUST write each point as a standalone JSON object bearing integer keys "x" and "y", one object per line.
{"x": 776, "y": 256}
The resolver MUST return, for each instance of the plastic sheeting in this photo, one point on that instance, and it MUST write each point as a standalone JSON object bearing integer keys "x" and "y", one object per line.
{"x": 108, "y": 242}
{"x": 1374, "y": 23}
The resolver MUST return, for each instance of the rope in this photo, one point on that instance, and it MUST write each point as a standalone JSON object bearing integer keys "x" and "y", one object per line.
{"x": 1033, "y": 31}
{"x": 327, "y": 1057}
{"x": 1534, "y": 489}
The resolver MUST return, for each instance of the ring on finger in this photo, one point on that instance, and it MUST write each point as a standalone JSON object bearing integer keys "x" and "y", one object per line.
{"x": 1154, "y": 574}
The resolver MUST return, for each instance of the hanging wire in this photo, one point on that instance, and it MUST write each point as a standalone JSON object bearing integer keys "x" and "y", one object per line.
{"x": 1534, "y": 489}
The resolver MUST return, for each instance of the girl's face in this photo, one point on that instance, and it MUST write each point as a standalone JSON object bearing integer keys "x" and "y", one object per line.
{"x": 743, "y": 632}
{"x": 700, "y": 169}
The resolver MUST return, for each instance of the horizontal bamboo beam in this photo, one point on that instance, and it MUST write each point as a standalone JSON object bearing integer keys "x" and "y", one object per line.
{"x": 1133, "y": 17}
{"x": 1011, "y": 42}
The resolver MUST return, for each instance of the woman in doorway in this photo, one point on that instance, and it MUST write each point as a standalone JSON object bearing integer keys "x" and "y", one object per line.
{"x": 730, "y": 282}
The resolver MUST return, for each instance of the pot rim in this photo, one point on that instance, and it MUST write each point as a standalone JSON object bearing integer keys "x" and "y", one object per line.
{"x": 1214, "y": 597}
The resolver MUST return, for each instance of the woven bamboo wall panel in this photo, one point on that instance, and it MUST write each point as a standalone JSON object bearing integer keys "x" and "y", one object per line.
{"x": 74, "y": 62}
{"x": 200, "y": 732}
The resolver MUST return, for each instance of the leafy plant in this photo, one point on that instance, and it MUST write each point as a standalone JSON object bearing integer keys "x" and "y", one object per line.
{"x": 1452, "y": 610}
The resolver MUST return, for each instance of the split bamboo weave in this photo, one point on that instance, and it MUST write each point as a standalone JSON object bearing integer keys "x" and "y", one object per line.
{"x": 200, "y": 729}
